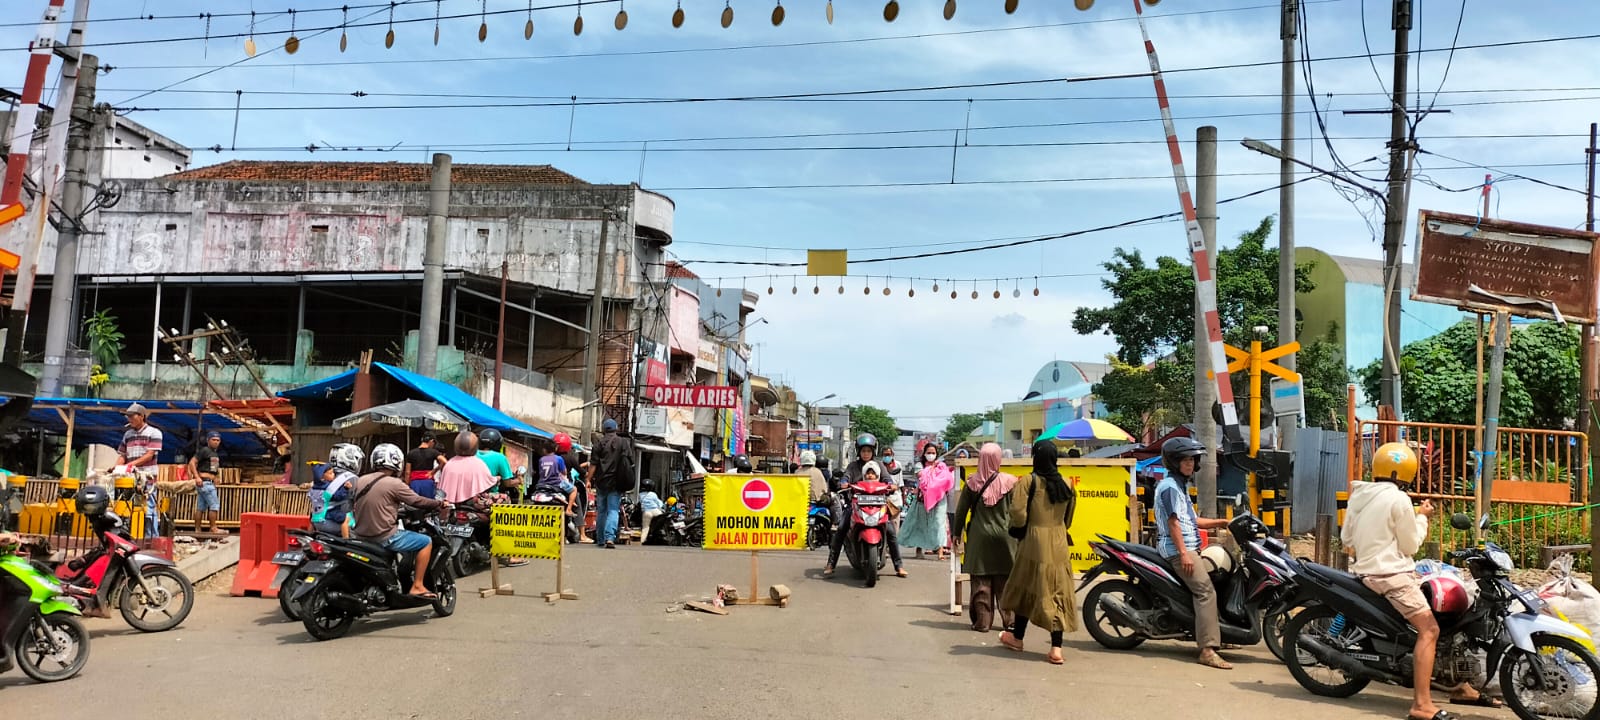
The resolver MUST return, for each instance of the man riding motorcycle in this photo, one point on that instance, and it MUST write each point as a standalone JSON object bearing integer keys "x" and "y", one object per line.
{"x": 866, "y": 452}
{"x": 378, "y": 497}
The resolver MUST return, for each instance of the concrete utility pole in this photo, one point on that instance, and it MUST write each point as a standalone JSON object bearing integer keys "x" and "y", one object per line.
{"x": 591, "y": 354}
{"x": 60, "y": 326}
{"x": 1592, "y": 375}
{"x": 1394, "y": 220}
{"x": 1205, "y": 392}
{"x": 1286, "y": 314}
{"x": 433, "y": 265}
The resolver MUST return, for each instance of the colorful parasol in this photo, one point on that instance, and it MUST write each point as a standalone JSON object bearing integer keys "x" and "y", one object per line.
{"x": 1090, "y": 429}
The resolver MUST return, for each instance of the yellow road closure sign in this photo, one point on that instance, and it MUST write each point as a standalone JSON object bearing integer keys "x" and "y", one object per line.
{"x": 526, "y": 531}
{"x": 757, "y": 512}
{"x": 1103, "y": 504}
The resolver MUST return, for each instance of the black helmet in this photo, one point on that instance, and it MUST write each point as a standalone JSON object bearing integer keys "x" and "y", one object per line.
{"x": 93, "y": 500}
{"x": 490, "y": 439}
{"x": 647, "y": 486}
{"x": 742, "y": 463}
{"x": 1175, "y": 450}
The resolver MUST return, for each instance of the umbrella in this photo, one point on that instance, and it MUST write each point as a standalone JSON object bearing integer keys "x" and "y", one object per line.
{"x": 406, "y": 414}
{"x": 1054, "y": 430}
{"x": 1091, "y": 429}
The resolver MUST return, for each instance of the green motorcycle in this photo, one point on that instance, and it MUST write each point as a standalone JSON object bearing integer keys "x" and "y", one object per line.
{"x": 38, "y": 625}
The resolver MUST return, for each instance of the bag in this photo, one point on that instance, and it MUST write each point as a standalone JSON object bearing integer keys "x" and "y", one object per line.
{"x": 322, "y": 500}
{"x": 1575, "y": 599}
{"x": 1021, "y": 533}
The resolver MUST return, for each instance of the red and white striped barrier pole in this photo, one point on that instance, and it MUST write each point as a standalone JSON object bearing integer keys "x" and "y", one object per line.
{"x": 39, "y": 51}
{"x": 1205, "y": 283}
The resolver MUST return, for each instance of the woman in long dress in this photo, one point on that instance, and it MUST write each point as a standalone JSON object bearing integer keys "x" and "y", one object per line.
{"x": 925, "y": 525}
{"x": 983, "y": 511}
{"x": 1040, "y": 589}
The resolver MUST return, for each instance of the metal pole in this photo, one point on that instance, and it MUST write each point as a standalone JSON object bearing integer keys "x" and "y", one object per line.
{"x": 500, "y": 335}
{"x": 155, "y": 335}
{"x": 60, "y": 327}
{"x": 1286, "y": 266}
{"x": 1395, "y": 210}
{"x": 1205, "y": 389}
{"x": 1586, "y": 407}
{"x": 1491, "y": 413}
{"x": 433, "y": 265}
{"x": 591, "y": 368}
{"x": 533, "y": 305}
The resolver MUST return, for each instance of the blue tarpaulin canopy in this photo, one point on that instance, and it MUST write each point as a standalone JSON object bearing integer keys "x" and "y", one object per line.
{"x": 181, "y": 422}
{"x": 475, "y": 411}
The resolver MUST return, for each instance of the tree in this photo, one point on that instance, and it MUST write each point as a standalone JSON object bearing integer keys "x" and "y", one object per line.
{"x": 1143, "y": 400}
{"x": 1324, "y": 378}
{"x": 875, "y": 420}
{"x": 1439, "y": 376}
{"x": 962, "y": 424}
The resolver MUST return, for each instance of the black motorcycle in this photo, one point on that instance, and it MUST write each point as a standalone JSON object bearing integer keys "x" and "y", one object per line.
{"x": 363, "y": 578}
{"x": 1150, "y": 602}
{"x": 1352, "y": 636}
{"x": 304, "y": 548}
{"x": 467, "y": 527}
{"x": 553, "y": 497}
{"x": 819, "y": 523}
{"x": 675, "y": 528}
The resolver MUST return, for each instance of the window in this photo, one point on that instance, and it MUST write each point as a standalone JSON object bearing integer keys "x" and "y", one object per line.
{"x": 483, "y": 234}
{"x": 171, "y": 227}
{"x": 319, "y": 229}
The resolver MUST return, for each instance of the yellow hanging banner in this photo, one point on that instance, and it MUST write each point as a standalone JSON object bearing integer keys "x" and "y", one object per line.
{"x": 828, "y": 262}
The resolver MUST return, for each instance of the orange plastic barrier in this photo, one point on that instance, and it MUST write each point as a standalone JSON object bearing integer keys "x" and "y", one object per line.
{"x": 262, "y": 535}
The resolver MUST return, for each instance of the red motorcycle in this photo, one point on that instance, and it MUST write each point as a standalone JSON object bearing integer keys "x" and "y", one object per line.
{"x": 867, "y": 543}
{"x": 149, "y": 590}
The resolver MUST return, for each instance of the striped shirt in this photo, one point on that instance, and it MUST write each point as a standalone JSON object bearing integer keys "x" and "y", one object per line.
{"x": 1172, "y": 501}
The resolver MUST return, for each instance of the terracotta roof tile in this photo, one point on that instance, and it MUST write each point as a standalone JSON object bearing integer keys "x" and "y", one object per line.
{"x": 296, "y": 171}
{"x": 678, "y": 271}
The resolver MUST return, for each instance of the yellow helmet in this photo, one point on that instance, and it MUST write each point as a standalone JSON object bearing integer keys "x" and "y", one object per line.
{"x": 1394, "y": 461}
{"x": 672, "y": 500}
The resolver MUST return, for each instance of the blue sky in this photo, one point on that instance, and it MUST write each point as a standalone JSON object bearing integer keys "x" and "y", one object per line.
{"x": 924, "y": 356}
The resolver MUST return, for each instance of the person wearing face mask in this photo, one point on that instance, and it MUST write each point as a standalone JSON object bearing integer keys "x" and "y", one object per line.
{"x": 926, "y": 524}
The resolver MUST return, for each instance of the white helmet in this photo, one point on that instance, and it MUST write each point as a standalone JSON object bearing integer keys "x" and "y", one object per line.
{"x": 808, "y": 458}
{"x": 346, "y": 456}
{"x": 386, "y": 457}
{"x": 1218, "y": 558}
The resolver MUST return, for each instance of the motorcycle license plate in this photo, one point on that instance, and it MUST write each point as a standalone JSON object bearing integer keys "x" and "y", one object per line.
{"x": 463, "y": 531}
{"x": 289, "y": 557}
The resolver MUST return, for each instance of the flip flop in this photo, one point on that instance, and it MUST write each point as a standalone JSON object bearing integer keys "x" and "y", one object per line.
{"x": 1479, "y": 701}
{"x": 1441, "y": 715}
{"x": 1010, "y": 641}
{"x": 1054, "y": 660}
{"x": 901, "y": 573}
{"x": 1215, "y": 661}
{"x": 426, "y": 595}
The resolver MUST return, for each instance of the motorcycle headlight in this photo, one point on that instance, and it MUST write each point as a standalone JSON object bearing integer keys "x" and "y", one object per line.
{"x": 1501, "y": 559}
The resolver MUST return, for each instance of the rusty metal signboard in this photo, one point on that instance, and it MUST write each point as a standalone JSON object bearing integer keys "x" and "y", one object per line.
{"x": 1527, "y": 270}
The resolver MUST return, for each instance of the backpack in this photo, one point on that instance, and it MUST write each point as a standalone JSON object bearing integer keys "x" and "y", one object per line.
{"x": 551, "y": 475}
{"x": 322, "y": 499}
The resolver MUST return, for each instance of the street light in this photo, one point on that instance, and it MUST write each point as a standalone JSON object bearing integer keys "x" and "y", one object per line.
{"x": 1270, "y": 151}
{"x": 811, "y": 409}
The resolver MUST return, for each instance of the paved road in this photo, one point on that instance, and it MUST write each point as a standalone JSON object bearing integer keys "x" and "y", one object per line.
{"x": 838, "y": 651}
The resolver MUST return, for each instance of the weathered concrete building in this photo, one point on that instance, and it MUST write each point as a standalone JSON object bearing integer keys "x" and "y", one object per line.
{"x": 316, "y": 262}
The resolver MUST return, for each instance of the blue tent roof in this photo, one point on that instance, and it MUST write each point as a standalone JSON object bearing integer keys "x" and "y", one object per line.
{"x": 101, "y": 422}
{"x": 458, "y": 401}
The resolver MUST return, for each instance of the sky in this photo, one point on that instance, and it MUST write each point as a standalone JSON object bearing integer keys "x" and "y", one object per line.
{"x": 978, "y": 99}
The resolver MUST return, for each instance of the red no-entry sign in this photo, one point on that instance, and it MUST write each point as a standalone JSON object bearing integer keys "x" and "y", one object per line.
{"x": 757, "y": 495}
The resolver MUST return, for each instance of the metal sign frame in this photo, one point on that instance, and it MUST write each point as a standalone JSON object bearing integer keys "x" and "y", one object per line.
{"x": 1491, "y": 265}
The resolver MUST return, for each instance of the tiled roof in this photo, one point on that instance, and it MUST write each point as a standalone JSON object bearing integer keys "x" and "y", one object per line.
{"x": 295, "y": 171}
{"x": 676, "y": 271}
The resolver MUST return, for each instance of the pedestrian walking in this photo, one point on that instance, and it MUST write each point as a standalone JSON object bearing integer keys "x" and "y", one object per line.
{"x": 925, "y": 522}
{"x": 613, "y": 473}
{"x": 983, "y": 512}
{"x": 1040, "y": 589}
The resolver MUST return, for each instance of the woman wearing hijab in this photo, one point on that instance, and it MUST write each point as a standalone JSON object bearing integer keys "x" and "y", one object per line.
{"x": 984, "y": 511}
{"x": 1040, "y": 589}
{"x": 924, "y": 524}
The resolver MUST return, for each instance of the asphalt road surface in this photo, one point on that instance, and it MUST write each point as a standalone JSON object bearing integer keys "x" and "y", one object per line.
{"x": 839, "y": 650}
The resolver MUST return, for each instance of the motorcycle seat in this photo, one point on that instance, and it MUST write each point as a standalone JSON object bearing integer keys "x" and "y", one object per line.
{"x": 1348, "y": 581}
{"x": 374, "y": 549}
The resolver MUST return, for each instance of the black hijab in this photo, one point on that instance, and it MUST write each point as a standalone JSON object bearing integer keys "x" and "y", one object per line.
{"x": 1044, "y": 465}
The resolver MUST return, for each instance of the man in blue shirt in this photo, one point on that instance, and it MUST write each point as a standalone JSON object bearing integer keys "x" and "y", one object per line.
{"x": 1180, "y": 542}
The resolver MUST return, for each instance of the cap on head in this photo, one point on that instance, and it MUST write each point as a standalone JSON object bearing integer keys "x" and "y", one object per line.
{"x": 808, "y": 458}
{"x": 213, "y": 435}
{"x": 609, "y": 425}
{"x": 135, "y": 409}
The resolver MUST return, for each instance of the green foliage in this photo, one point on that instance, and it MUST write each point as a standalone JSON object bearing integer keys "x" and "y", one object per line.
{"x": 1439, "y": 376}
{"x": 875, "y": 420}
{"x": 105, "y": 339}
{"x": 1325, "y": 377}
{"x": 993, "y": 415}
{"x": 1144, "y": 400}
{"x": 962, "y": 424}
{"x": 1154, "y": 307}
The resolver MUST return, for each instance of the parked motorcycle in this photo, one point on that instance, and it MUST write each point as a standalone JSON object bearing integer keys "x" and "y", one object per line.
{"x": 152, "y": 594}
{"x": 819, "y": 523}
{"x": 546, "y": 496}
{"x": 467, "y": 527}
{"x": 1354, "y": 636}
{"x": 39, "y": 625}
{"x": 1150, "y": 602}
{"x": 363, "y": 578}
{"x": 867, "y": 543}
{"x": 303, "y": 549}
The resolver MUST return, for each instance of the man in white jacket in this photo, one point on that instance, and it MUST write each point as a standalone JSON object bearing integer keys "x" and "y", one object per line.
{"x": 1382, "y": 534}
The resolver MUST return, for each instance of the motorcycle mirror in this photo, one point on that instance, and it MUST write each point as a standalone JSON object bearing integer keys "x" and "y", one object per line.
{"x": 1483, "y": 522}
{"x": 1462, "y": 521}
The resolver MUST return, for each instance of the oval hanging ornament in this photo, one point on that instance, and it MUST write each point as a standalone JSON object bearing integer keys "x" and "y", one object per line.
{"x": 436, "y": 34}
{"x": 1086, "y": 4}
{"x": 622, "y": 19}
{"x": 388, "y": 39}
{"x": 250, "y": 46}
{"x": 949, "y": 9}
{"x": 344, "y": 42}
{"x": 830, "y": 12}
{"x": 483, "y": 32}
{"x": 677, "y": 16}
{"x": 344, "y": 37}
{"x": 1011, "y": 6}
{"x": 891, "y": 11}
{"x": 727, "y": 15}
{"x": 577, "y": 26}
{"x": 436, "y": 22}
{"x": 292, "y": 45}
{"x": 527, "y": 31}
{"x": 886, "y": 290}
{"x": 777, "y": 16}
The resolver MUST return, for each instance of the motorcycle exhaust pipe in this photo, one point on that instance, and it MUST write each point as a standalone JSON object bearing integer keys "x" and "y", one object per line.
{"x": 346, "y": 602}
{"x": 1124, "y": 615}
{"x": 1342, "y": 662}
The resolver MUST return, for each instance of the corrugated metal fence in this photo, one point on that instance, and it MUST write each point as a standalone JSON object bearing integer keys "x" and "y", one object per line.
{"x": 1320, "y": 470}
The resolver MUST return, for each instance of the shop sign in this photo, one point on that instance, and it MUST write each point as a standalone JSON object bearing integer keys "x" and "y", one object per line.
{"x": 708, "y": 396}
{"x": 756, "y": 512}
{"x": 650, "y": 421}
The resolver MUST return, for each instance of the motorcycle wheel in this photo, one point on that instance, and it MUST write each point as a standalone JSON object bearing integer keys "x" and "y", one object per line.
{"x": 1313, "y": 622}
{"x": 445, "y": 606}
{"x": 68, "y": 647}
{"x": 870, "y": 565}
{"x": 1101, "y": 626}
{"x": 322, "y": 620}
{"x": 290, "y": 608}
{"x": 1566, "y": 669}
{"x": 1272, "y": 627}
{"x": 171, "y": 597}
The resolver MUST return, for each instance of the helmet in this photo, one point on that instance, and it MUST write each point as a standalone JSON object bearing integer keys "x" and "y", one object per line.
{"x": 347, "y": 456}
{"x": 647, "y": 486}
{"x": 1217, "y": 559}
{"x": 672, "y": 499}
{"x": 490, "y": 439}
{"x": 1175, "y": 450}
{"x": 563, "y": 442}
{"x": 93, "y": 500}
{"x": 1446, "y": 593}
{"x": 1394, "y": 461}
{"x": 808, "y": 458}
{"x": 742, "y": 463}
{"x": 387, "y": 457}
{"x": 867, "y": 440}
{"x": 609, "y": 425}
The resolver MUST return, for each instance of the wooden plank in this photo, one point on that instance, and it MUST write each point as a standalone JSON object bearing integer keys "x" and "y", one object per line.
{"x": 705, "y": 607}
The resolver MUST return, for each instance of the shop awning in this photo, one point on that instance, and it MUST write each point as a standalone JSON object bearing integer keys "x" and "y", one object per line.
{"x": 652, "y": 447}
{"x": 458, "y": 401}
{"x": 181, "y": 422}
{"x": 696, "y": 470}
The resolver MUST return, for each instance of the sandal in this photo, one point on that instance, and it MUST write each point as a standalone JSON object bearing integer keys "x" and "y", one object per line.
{"x": 1213, "y": 660}
{"x": 1054, "y": 658}
{"x": 827, "y": 572}
{"x": 1480, "y": 701}
{"x": 1441, "y": 715}
{"x": 901, "y": 572}
{"x": 1010, "y": 641}
{"x": 425, "y": 595}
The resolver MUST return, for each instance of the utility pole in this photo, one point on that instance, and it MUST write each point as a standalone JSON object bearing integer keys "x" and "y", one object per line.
{"x": 1394, "y": 220}
{"x": 1591, "y": 374}
{"x": 591, "y": 361}
{"x": 60, "y": 326}
{"x": 500, "y": 334}
{"x": 1286, "y": 314}
{"x": 1205, "y": 391}
{"x": 433, "y": 252}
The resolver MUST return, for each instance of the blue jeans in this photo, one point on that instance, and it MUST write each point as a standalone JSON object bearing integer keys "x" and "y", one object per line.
{"x": 406, "y": 541}
{"x": 608, "y": 507}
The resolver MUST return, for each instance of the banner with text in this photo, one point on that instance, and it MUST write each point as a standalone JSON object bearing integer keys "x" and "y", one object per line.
{"x": 707, "y": 396}
{"x": 756, "y": 512}
{"x": 1104, "y": 507}
{"x": 526, "y": 531}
